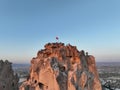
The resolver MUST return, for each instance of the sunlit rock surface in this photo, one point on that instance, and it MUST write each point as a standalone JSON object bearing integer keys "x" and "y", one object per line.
{"x": 62, "y": 67}
{"x": 8, "y": 81}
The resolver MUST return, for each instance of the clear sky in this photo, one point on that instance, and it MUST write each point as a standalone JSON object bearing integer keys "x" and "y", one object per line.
{"x": 91, "y": 25}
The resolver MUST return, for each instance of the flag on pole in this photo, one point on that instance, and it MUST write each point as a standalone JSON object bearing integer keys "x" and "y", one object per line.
{"x": 57, "y": 38}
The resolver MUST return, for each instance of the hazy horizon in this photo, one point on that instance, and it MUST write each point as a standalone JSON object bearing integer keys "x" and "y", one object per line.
{"x": 91, "y": 25}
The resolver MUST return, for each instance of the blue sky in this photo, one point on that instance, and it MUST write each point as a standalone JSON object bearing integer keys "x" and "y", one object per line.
{"x": 91, "y": 25}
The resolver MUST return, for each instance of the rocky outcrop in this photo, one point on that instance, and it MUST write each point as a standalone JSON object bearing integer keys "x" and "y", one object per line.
{"x": 62, "y": 67}
{"x": 8, "y": 81}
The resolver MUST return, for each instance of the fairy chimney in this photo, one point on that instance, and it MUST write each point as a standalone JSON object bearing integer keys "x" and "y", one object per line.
{"x": 62, "y": 67}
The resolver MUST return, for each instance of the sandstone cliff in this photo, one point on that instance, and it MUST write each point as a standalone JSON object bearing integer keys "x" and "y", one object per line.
{"x": 8, "y": 81}
{"x": 62, "y": 67}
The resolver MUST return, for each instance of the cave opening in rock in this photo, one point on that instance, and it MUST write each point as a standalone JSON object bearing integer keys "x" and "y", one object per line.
{"x": 35, "y": 81}
{"x": 40, "y": 85}
{"x": 13, "y": 84}
{"x": 3, "y": 86}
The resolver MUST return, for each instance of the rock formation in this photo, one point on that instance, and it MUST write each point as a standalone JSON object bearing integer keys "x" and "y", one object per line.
{"x": 62, "y": 67}
{"x": 8, "y": 81}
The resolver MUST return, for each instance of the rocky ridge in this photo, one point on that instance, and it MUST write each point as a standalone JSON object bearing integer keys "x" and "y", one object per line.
{"x": 8, "y": 81}
{"x": 62, "y": 67}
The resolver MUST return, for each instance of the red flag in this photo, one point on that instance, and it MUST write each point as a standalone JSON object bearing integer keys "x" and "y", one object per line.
{"x": 57, "y": 38}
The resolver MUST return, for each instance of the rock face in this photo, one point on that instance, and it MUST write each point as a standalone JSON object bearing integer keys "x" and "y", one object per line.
{"x": 62, "y": 67}
{"x": 8, "y": 81}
